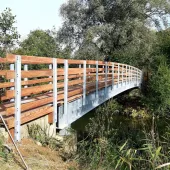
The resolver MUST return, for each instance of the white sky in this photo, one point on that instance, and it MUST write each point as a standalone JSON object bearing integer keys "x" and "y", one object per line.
{"x": 33, "y": 14}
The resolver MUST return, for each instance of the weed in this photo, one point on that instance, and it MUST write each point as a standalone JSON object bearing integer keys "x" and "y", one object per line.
{"x": 43, "y": 136}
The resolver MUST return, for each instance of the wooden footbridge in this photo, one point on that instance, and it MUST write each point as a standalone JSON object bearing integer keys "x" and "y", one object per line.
{"x": 33, "y": 87}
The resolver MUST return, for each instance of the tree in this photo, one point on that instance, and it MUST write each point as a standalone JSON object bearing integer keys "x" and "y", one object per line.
{"x": 164, "y": 43}
{"x": 38, "y": 43}
{"x": 41, "y": 43}
{"x": 157, "y": 97}
{"x": 8, "y": 33}
{"x": 113, "y": 27}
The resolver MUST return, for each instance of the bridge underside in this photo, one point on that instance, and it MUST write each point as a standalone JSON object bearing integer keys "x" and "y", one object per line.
{"x": 77, "y": 108}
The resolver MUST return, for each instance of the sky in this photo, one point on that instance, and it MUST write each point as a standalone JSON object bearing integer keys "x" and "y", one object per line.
{"x": 34, "y": 14}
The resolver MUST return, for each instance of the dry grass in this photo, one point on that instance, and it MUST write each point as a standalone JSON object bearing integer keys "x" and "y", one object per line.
{"x": 37, "y": 157}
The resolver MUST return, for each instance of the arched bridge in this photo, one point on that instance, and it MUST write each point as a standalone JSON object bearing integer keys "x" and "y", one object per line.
{"x": 33, "y": 87}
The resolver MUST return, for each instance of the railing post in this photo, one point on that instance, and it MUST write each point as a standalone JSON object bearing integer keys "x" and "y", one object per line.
{"x": 106, "y": 70}
{"x": 122, "y": 74}
{"x": 12, "y": 80}
{"x": 139, "y": 75}
{"x": 97, "y": 79}
{"x": 84, "y": 83}
{"x": 132, "y": 74}
{"x": 126, "y": 74}
{"x": 112, "y": 76}
{"x": 54, "y": 90}
{"x": 17, "y": 98}
{"x": 25, "y": 69}
{"x": 66, "y": 88}
{"x": 136, "y": 75}
{"x": 129, "y": 75}
{"x": 25, "y": 79}
{"x": 50, "y": 68}
{"x": 118, "y": 76}
{"x": 80, "y": 67}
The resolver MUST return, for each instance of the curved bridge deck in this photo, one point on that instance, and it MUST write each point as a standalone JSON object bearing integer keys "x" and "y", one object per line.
{"x": 32, "y": 87}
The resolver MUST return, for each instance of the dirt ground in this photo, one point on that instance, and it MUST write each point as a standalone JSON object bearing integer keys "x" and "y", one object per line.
{"x": 37, "y": 158}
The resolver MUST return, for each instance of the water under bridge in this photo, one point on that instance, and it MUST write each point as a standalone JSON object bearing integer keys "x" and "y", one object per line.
{"x": 64, "y": 90}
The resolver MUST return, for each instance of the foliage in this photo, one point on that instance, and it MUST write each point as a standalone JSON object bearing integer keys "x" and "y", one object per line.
{"x": 114, "y": 28}
{"x": 8, "y": 33}
{"x": 105, "y": 114}
{"x": 136, "y": 113}
{"x": 104, "y": 150}
{"x": 41, "y": 43}
{"x": 164, "y": 43}
{"x": 38, "y": 43}
{"x": 158, "y": 92}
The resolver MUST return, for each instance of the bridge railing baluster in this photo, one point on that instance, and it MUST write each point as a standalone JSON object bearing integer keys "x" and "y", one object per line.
{"x": 50, "y": 68}
{"x": 17, "y": 98}
{"x": 66, "y": 89}
{"x": 84, "y": 83}
{"x": 118, "y": 75}
{"x": 25, "y": 79}
{"x": 128, "y": 71}
{"x": 97, "y": 78}
{"x": 136, "y": 76}
{"x": 112, "y": 76}
{"x": 122, "y": 73}
{"x": 55, "y": 90}
{"x": 106, "y": 71}
{"x": 126, "y": 74}
{"x": 131, "y": 75}
{"x": 12, "y": 68}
